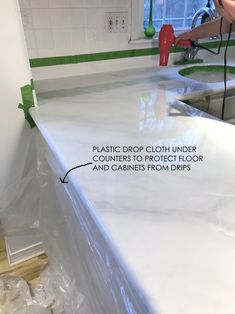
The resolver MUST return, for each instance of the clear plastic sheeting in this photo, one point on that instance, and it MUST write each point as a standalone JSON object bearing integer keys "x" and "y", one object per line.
{"x": 54, "y": 294}
{"x": 86, "y": 274}
{"x": 37, "y": 309}
{"x": 21, "y": 198}
{"x": 14, "y": 295}
{"x": 78, "y": 246}
{"x": 20, "y": 193}
{"x": 57, "y": 292}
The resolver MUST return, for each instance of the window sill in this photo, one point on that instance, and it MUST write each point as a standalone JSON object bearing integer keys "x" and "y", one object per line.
{"x": 144, "y": 42}
{"x": 153, "y": 42}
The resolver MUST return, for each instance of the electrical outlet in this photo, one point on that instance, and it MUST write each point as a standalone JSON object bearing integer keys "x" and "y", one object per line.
{"x": 123, "y": 22}
{"x": 116, "y": 22}
{"x": 109, "y": 23}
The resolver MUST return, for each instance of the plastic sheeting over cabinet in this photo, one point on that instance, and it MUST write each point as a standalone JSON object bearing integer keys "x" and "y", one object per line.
{"x": 93, "y": 277}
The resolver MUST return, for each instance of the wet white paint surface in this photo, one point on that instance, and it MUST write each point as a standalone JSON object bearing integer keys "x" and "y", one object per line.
{"x": 174, "y": 229}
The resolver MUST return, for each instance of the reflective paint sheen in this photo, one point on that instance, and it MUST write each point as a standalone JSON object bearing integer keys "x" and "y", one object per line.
{"x": 174, "y": 229}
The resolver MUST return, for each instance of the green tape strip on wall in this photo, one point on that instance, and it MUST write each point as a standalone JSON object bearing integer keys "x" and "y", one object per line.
{"x": 100, "y": 56}
{"x": 28, "y": 102}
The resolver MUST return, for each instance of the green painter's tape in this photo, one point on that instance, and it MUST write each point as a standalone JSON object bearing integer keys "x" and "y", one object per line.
{"x": 100, "y": 56}
{"x": 185, "y": 61}
{"x": 206, "y": 68}
{"x": 40, "y": 62}
{"x": 28, "y": 102}
{"x": 32, "y": 84}
{"x": 215, "y": 44}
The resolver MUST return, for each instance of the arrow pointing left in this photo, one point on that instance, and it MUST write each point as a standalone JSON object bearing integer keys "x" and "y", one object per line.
{"x": 63, "y": 180}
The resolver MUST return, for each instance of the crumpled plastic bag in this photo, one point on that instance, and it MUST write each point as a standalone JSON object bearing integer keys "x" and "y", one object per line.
{"x": 37, "y": 309}
{"x": 57, "y": 291}
{"x": 14, "y": 295}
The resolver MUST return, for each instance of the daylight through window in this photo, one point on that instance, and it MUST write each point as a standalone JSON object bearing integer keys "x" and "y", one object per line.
{"x": 176, "y": 12}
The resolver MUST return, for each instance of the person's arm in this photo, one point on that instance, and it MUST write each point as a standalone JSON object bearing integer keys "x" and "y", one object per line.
{"x": 206, "y": 30}
{"x": 226, "y": 9}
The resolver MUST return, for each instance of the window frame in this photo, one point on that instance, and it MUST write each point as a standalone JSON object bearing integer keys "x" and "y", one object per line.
{"x": 137, "y": 19}
{"x": 137, "y": 22}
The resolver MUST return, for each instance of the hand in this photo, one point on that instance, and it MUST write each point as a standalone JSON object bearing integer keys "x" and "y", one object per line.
{"x": 189, "y": 35}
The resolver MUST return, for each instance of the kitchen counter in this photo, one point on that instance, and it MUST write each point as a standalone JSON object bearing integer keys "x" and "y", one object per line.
{"x": 174, "y": 228}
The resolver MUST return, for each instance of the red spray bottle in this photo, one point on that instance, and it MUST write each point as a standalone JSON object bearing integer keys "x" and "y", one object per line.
{"x": 167, "y": 40}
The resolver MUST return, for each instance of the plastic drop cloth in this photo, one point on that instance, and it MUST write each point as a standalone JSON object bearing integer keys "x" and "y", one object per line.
{"x": 49, "y": 296}
{"x": 16, "y": 298}
{"x": 14, "y": 295}
{"x": 19, "y": 196}
{"x": 88, "y": 276}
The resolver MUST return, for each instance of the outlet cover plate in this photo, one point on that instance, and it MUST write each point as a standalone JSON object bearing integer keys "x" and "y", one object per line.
{"x": 116, "y": 22}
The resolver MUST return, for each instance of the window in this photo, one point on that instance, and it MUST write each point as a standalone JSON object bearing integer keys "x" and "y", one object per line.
{"x": 176, "y": 12}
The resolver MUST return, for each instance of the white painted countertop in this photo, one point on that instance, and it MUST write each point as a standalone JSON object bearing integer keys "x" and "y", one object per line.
{"x": 174, "y": 229}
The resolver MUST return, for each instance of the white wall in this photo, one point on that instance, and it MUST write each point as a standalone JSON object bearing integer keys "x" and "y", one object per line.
{"x": 73, "y": 27}
{"x": 68, "y": 27}
{"x": 15, "y": 73}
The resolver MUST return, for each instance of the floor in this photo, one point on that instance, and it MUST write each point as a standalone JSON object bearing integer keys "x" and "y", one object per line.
{"x": 29, "y": 270}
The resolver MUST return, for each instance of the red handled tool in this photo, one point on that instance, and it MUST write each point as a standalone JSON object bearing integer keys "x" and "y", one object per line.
{"x": 167, "y": 40}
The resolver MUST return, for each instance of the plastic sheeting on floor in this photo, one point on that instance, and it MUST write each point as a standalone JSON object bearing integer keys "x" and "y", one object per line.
{"x": 91, "y": 276}
{"x": 76, "y": 242}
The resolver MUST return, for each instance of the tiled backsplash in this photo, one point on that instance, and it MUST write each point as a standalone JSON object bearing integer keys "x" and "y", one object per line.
{"x": 68, "y": 27}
